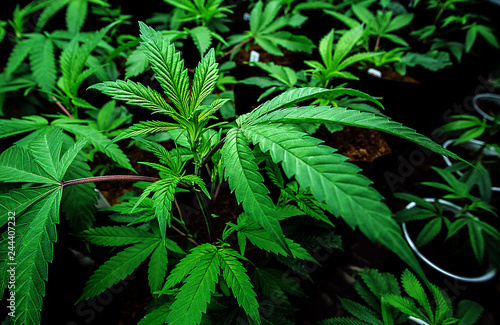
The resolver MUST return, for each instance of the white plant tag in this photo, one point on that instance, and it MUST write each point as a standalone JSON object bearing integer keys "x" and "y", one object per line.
{"x": 375, "y": 73}
{"x": 254, "y": 57}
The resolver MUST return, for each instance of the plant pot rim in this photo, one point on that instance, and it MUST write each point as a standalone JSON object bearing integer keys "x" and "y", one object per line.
{"x": 488, "y": 275}
{"x": 495, "y": 97}
{"x": 448, "y": 162}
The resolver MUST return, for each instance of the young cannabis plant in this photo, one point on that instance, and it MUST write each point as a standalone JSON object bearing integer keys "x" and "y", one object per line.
{"x": 265, "y": 30}
{"x": 386, "y": 305}
{"x": 213, "y": 268}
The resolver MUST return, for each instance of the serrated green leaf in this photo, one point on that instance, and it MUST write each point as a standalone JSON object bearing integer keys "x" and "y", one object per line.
{"x": 468, "y": 312}
{"x": 345, "y": 45}
{"x": 295, "y": 43}
{"x": 163, "y": 197}
{"x": 326, "y": 48}
{"x": 116, "y": 235}
{"x": 247, "y": 183}
{"x": 488, "y": 35}
{"x": 46, "y": 150}
{"x": 146, "y": 127}
{"x": 430, "y": 230}
{"x": 168, "y": 66}
{"x": 334, "y": 181}
{"x": 380, "y": 284}
{"x": 43, "y": 63}
{"x": 260, "y": 238}
{"x": 118, "y": 268}
{"x": 98, "y": 140}
{"x": 476, "y": 240}
{"x": 137, "y": 62}
{"x": 51, "y": 8}
{"x": 18, "y": 165}
{"x": 19, "y": 53}
{"x": 35, "y": 251}
{"x": 260, "y": 18}
{"x": 157, "y": 268}
{"x": 202, "y": 38}
{"x": 406, "y": 306}
{"x": 361, "y": 312}
{"x": 76, "y": 14}
{"x": 442, "y": 307}
{"x": 157, "y": 316}
{"x": 191, "y": 302}
{"x": 205, "y": 79}
{"x": 238, "y": 281}
{"x": 290, "y": 97}
{"x": 134, "y": 93}
{"x": 69, "y": 156}
{"x": 415, "y": 290}
{"x": 323, "y": 114}
{"x": 24, "y": 124}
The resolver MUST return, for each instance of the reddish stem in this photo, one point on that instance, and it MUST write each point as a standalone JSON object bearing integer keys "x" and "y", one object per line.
{"x": 235, "y": 48}
{"x": 109, "y": 178}
{"x": 65, "y": 111}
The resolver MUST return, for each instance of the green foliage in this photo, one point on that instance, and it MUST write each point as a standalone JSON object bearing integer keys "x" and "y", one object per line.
{"x": 469, "y": 214}
{"x": 450, "y": 16}
{"x": 37, "y": 214}
{"x": 265, "y": 30}
{"x": 48, "y": 170}
{"x": 386, "y": 24}
{"x": 333, "y": 65}
{"x": 386, "y": 306}
{"x": 381, "y": 25}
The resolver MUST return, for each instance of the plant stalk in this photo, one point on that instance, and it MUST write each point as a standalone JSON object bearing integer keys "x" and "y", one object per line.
{"x": 111, "y": 178}
{"x": 61, "y": 106}
{"x": 235, "y": 48}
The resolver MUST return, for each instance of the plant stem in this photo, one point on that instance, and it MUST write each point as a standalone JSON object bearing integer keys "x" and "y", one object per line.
{"x": 61, "y": 106}
{"x": 235, "y": 48}
{"x": 377, "y": 43}
{"x": 205, "y": 216}
{"x": 111, "y": 178}
{"x": 197, "y": 164}
{"x": 181, "y": 219}
{"x": 184, "y": 235}
{"x": 213, "y": 151}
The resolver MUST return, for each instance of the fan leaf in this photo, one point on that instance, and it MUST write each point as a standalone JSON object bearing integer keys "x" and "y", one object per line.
{"x": 118, "y": 268}
{"x": 242, "y": 173}
{"x": 116, "y": 235}
{"x": 334, "y": 181}
{"x": 168, "y": 66}
{"x": 191, "y": 302}
{"x": 35, "y": 252}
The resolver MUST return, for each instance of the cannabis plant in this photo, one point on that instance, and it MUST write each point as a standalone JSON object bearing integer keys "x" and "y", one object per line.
{"x": 473, "y": 214}
{"x": 195, "y": 269}
{"x": 477, "y": 137}
{"x": 385, "y": 25}
{"x": 452, "y": 21}
{"x": 266, "y": 30}
{"x": 333, "y": 65}
{"x": 387, "y": 306}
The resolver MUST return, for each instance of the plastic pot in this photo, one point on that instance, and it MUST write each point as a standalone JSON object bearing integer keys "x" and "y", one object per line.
{"x": 447, "y": 206}
{"x": 486, "y": 104}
